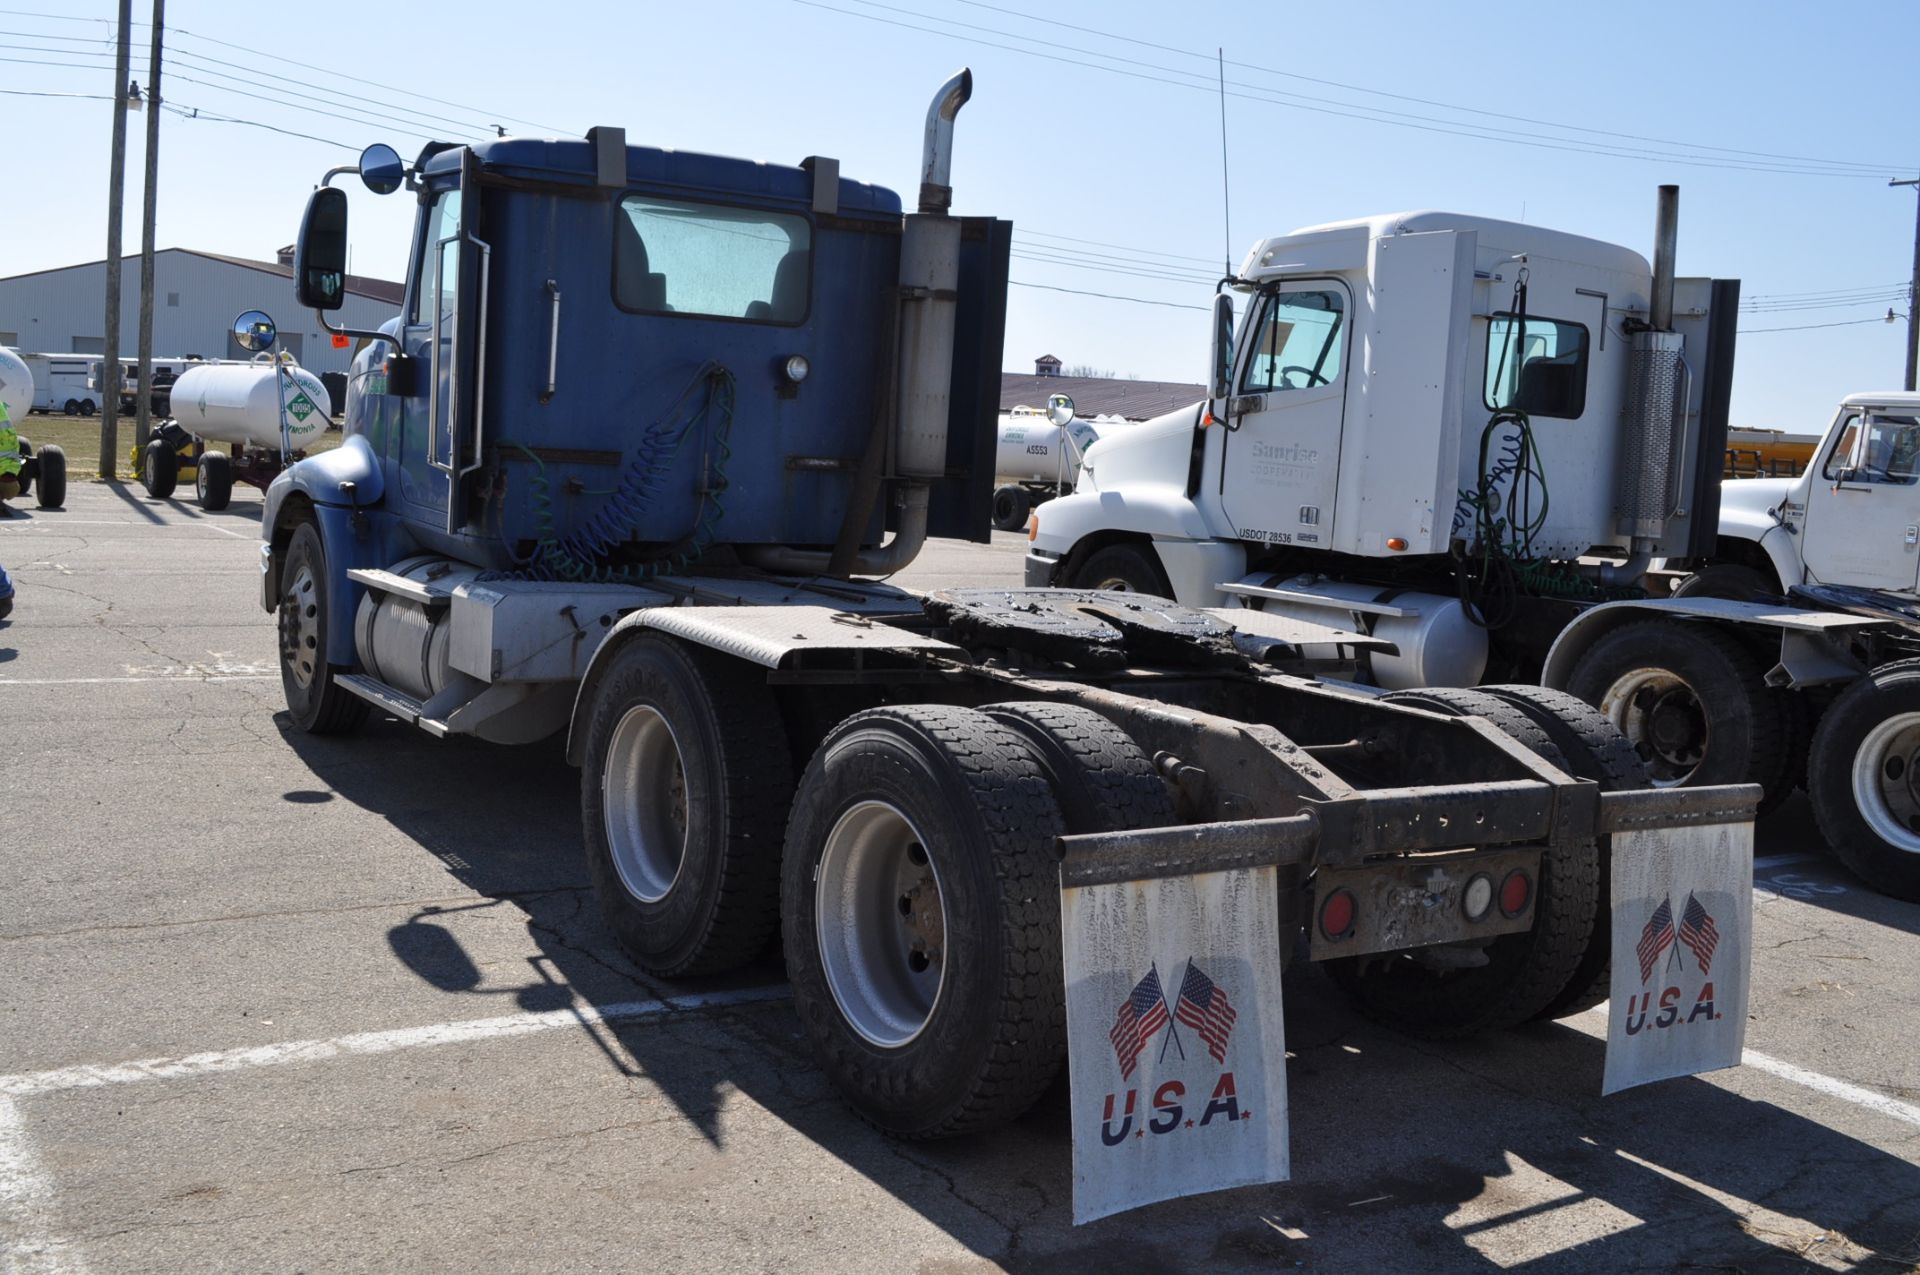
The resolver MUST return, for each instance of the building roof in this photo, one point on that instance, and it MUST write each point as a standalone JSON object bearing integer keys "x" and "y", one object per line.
{"x": 360, "y": 285}
{"x": 1099, "y": 395}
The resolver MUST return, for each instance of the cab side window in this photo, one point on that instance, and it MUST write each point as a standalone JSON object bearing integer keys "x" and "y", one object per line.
{"x": 1301, "y": 343}
{"x": 1536, "y": 366}
{"x": 1883, "y": 449}
{"x": 439, "y": 282}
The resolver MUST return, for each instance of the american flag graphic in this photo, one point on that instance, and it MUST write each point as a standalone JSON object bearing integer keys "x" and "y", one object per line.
{"x": 1656, "y": 938}
{"x": 1141, "y": 1015}
{"x": 1698, "y": 932}
{"x": 1203, "y": 1006}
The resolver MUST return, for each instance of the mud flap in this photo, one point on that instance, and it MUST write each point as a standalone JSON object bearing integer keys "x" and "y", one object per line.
{"x": 1682, "y": 951}
{"x": 1177, "y": 1046}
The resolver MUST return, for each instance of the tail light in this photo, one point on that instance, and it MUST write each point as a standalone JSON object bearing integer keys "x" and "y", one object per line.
{"x": 1515, "y": 893}
{"x": 1337, "y": 914}
{"x": 1476, "y": 900}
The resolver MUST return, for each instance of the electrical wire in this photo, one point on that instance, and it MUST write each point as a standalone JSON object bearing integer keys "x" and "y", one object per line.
{"x": 1808, "y": 327}
{"x": 1378, "y": 115}
{"x": 1402, "y": 97}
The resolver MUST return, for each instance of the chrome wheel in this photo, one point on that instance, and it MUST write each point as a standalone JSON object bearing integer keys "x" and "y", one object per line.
{"x": 300, "y": 627}
{"x": 645, "y": 804}
{"x": 882, "y": 924}
{"x": 1886, "y": 781}
{"x": 1661, "y": 716}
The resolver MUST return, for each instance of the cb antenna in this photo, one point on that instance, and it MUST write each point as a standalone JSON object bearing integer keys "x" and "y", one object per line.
{"x": 1226, "y": 194}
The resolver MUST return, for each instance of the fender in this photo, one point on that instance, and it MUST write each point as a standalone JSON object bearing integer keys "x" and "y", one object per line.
{"x": 1808, "y": 655}
{"x": 315, "y": 484}
{"x": 1746, "y": 515}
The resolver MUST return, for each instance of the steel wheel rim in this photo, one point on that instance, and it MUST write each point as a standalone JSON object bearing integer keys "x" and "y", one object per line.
{"x": 1640, "y": 703}
{"x": 1885, "y": 787}
{"x": 1115, "y": 585}
{"x": 300, "y": 627}
{"x": 644, "y": 807}
{"x": 882, "y": 924}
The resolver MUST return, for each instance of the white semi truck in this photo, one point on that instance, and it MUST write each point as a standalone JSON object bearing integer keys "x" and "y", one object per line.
{"x": 1473, "y": 439}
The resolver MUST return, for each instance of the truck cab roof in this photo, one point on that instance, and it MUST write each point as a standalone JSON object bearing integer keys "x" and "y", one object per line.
{"x": 572, "y": 162}
{"x": 1904, "y": 400}
{"x": 1342, "y": 244}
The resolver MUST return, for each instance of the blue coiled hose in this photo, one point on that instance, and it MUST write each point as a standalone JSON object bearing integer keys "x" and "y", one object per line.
{"x": 581, "y": 555}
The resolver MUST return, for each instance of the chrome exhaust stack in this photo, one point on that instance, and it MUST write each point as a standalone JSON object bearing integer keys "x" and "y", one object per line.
{"x": 1652, "y": 442}
{"x": 929, "y": 299}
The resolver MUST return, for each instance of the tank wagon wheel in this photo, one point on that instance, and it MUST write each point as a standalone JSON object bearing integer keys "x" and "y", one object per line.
{"x": 921, "y": 917}
{"x": 318, "y": 704}
{"x": 1864, "y": 778}
{"x": 683, "y": 793}
{"x": 51, "y": 481}
{"x": 1692, "y": 702}
{"x": 1594, "y": 749}
{"x": 1524, "y": 974}
{"x": 29, "y": 471}
{"x": 1124, "y": 568}
{"x": 159, "y": 469}
{"x": 1011, "y": 504}
{"x": 213, "y": 480}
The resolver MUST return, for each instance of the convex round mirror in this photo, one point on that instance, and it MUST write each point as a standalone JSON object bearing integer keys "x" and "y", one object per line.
{"x": 254, "y": 331}
{"x": 381, "y": 169}
{"x": 1059, "y": 409}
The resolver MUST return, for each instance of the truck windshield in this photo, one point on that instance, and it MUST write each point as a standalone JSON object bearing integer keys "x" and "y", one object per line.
{"x": 703, "y": 259}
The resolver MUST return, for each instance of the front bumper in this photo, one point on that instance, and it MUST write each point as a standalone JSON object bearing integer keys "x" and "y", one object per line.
{"x": 1040, "y": 568}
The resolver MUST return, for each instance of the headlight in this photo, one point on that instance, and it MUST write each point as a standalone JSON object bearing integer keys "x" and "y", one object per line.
{"x": 796, "y": 368}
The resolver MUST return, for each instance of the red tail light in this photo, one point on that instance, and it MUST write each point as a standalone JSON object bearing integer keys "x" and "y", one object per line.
{"x": 1337, "y": 914}
{"x": 1516, "y": 892}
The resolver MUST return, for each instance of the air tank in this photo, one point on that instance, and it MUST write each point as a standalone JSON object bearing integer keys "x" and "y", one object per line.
{"x": 16, "y": 387}
{"x": 1032, "y": 449}
{"x": 241, "y": 403}
{"x": 1438, "y": 644}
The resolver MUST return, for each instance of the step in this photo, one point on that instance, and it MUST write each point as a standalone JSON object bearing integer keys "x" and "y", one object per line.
{"x": 425, "y": 592}
{"x": 387, "y": 699}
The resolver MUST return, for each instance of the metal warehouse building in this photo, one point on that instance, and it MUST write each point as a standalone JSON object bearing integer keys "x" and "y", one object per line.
{"x": 196, "y": 296}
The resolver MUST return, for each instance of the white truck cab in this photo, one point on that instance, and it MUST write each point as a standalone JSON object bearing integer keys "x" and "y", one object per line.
{"x": 1353, "y": 414}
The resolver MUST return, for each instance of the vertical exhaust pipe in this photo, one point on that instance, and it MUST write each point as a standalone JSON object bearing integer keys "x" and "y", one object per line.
{"x": 929, "y": 296}
{"x": 1666, "y": 236}
{"x": 1653, "y": 448}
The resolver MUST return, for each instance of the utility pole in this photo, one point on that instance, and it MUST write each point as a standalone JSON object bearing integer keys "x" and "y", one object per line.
{"x": 143, "y": 411}
{"x": 116, "y": 190}
{"x": 1913, "y": 288}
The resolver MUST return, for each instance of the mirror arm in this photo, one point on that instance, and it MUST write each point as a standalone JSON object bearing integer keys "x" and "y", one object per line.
{"x": 335, "y": 172}
{"x": 363, "y": 333}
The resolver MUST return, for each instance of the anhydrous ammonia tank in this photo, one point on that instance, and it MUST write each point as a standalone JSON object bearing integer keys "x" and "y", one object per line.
{"x": 241, "y": 403}
{"x": 16, "y": 387}
{"x": 1032, "y": 449}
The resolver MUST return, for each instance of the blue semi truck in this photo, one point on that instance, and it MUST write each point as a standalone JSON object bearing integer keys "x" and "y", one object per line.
{"x": 633, "y": 464}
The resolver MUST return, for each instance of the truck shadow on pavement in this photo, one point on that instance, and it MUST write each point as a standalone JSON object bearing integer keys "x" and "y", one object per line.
{"x": 1494, "y": 1154}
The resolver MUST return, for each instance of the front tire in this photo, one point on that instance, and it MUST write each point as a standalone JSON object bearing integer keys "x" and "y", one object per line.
{"x": 921, "y": 915}
{"x": 317, "y": 703}
{"x": 1863, "y": 780}
{"x": 683, "y": 797}
{"x": 1123, "y": 568}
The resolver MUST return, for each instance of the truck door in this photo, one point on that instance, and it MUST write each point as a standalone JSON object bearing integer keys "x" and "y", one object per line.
{"x": 1280, "y": 460}
{"x": 437, "y": 444}
{"x": 1863, "y": 511}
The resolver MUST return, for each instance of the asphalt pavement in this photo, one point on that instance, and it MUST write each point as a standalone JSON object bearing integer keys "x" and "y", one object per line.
{"x": 274, "y": 1003}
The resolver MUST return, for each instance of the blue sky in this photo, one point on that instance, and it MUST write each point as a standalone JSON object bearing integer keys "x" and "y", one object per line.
{"x": 1127, "y": 156}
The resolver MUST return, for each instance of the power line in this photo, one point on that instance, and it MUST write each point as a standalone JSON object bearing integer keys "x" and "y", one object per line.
{"x": 1805, "y": 327}
{"x": 195, "y": 113}
{"x": 1378, "y": 115}
{"x": 1402, "y": 97}
{"x": 414, "y": 115}
{"x": 1109, "y": 296}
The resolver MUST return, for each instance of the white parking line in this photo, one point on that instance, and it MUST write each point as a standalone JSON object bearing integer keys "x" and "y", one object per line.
{"x": 27, "y": 1240}
{"x": 1767, "y": 862}
{"x": 101, "y": 681}
{"x": 1872, "y": 1100}
{"x": 361, "y": 1044}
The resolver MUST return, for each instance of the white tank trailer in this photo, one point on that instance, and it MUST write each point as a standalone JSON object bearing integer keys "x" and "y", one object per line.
{"x": 267, "y": 411}
{"x": 1034, "y": 460}
{"x": 16, "y": 386}
{"x": 241, "y": 404}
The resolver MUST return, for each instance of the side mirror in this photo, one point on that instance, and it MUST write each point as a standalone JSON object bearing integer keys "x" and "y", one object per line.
{"x": 254, "y": 331}
{"x": 1220, "y": 380}
{"x": 320, "y": 256}
{"x": 1060, "y": 409}
{"x": 381, "y": 169}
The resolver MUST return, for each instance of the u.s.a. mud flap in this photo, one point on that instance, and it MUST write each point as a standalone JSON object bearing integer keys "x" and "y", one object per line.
{"x": 1178, "y": 1053}
{"x": 1682, "y": 951}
